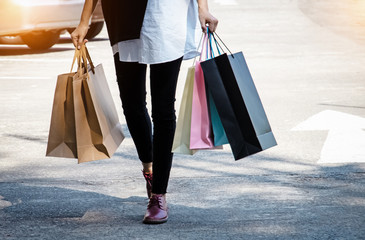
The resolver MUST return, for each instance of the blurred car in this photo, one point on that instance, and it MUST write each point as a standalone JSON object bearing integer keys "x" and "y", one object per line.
{"x": 39, "y": 23}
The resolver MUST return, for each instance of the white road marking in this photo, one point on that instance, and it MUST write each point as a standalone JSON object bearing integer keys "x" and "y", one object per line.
{"x": 344, "y": 145}
{"x": 226, "y": 2}
{"x": 345, "y": 142}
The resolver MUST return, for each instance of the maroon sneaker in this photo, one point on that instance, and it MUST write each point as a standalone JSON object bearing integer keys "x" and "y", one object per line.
{"x": 148, "y": 177}
{"x": 156, "y": 210}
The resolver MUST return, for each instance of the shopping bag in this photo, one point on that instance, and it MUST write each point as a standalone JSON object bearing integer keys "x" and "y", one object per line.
{"x": 219, "y": 135}
{"x": 201, "y": 135}
{"x": 238, "y": 104}
{"x": 62, "y": 132}
{"x": 98, "y": 131}
{"x": 84, "y": 121}
{"x": 181, "y": 142}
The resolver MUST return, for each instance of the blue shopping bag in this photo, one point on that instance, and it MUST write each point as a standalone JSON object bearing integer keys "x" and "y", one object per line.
{"x": 220, "y": 137}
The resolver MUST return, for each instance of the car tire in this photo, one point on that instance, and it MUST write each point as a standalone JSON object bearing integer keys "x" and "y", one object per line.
{"x": 94, "y": 29}
{"x": 41, "y": 40}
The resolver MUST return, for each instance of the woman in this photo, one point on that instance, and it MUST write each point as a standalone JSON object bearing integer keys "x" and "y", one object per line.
{"x": 160, "y": 33}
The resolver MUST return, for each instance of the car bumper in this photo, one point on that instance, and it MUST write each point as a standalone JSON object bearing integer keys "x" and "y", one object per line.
{"x": 22, "y": 16}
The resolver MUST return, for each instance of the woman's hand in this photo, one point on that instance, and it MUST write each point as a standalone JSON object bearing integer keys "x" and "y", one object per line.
{"x": 78, "y": 35}
{"x": 206, "y": 18}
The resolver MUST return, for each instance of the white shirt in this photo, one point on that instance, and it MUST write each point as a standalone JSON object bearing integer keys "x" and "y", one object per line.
{"x": 169, "y": 31}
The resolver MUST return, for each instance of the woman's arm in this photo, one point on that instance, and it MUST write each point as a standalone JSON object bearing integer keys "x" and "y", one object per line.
{"x": 205, "y": 17}
{"x": 78, "y": 35}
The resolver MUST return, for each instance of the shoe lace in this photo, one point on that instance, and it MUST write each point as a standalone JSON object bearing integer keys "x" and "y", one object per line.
{"x": 155, "y": 201}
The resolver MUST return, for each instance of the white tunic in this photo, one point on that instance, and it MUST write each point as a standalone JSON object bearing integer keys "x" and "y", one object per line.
{"x": 169, "y": 31}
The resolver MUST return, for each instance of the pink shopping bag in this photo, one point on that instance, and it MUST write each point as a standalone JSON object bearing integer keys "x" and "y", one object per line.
{"x": 201, "y": 135}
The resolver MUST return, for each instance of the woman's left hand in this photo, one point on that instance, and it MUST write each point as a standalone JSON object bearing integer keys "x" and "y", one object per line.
{"x": 205, "y": 19}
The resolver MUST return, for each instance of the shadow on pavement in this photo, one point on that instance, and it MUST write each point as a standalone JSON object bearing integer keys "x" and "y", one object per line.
{"x": 42, "y": 140}
{"x": 341, "y": 105}
{"x": 14, "y": 50}
{"x": 255, "y": 211}
{"x": 27, "y": 211}
{"x": 68, "y": 40}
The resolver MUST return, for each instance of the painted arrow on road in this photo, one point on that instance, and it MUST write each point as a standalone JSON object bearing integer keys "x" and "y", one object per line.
{"x": 346, "y": 137}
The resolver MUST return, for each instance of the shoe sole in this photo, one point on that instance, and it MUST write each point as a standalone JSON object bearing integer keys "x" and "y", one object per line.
{"x": 149, "y": 221}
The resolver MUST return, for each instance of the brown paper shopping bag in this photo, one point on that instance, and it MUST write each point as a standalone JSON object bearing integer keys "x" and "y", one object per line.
{"x": 62, "y": 132}
{"x": 96, "y": 129}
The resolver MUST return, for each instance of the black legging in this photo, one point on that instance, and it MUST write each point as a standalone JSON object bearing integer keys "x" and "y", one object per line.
{"x": 131, "y": 77}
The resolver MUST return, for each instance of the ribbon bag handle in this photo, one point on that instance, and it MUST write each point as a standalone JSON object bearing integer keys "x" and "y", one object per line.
{"x": 200, "y": 42}
{"x": 219, "y": 48}
{"x": 205, "y": 38}
{"x": 207, "y": 45}
{"x": 210, "y": 45}
{"x": 217, "y": 43}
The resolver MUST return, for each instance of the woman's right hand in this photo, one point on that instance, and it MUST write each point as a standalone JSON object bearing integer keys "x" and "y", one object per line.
{"x": 205, "y": 19}
{"x": 78, "y": 35}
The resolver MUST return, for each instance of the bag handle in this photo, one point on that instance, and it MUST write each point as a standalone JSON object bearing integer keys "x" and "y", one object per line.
{"x": 80, "y": 63}
{"x": 210, "y": 45}
{"x": 204, "y": 43}
{"x": 200, "y": 43}
{"x": 207, "y": 45}
{"x": 205, "y": 39}
{"x": 86, "y": 57}
{"x": 219, "y": 48}
{"x": 83, "y": 57}
{"x": 76, "y": 57}
{"x": 217, "y": 43}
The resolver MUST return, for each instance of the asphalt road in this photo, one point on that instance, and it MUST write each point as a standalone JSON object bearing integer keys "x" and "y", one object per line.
{"x": 307, "y": 59}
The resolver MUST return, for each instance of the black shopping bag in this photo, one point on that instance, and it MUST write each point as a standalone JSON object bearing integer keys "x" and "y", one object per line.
{"x": 238, "y": 104}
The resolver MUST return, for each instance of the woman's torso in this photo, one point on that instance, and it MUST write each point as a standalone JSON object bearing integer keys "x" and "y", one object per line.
{"x": 169, "y": 31}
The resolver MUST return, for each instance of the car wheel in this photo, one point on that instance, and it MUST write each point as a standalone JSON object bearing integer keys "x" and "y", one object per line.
{"x": 41, "y": 40}
{"x": 94, "y": 29}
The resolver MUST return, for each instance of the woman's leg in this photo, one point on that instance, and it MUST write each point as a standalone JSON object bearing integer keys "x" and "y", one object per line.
{"x": 131, "y": 77}
{"x": 163, "y": 88}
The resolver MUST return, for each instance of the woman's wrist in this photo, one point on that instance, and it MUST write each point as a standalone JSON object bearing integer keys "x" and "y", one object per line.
{"x": 203, "y": 5}
{"x": 205, "y": 17}
{"x": 203, "y": 10}
{"x": 83, "y": 24}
